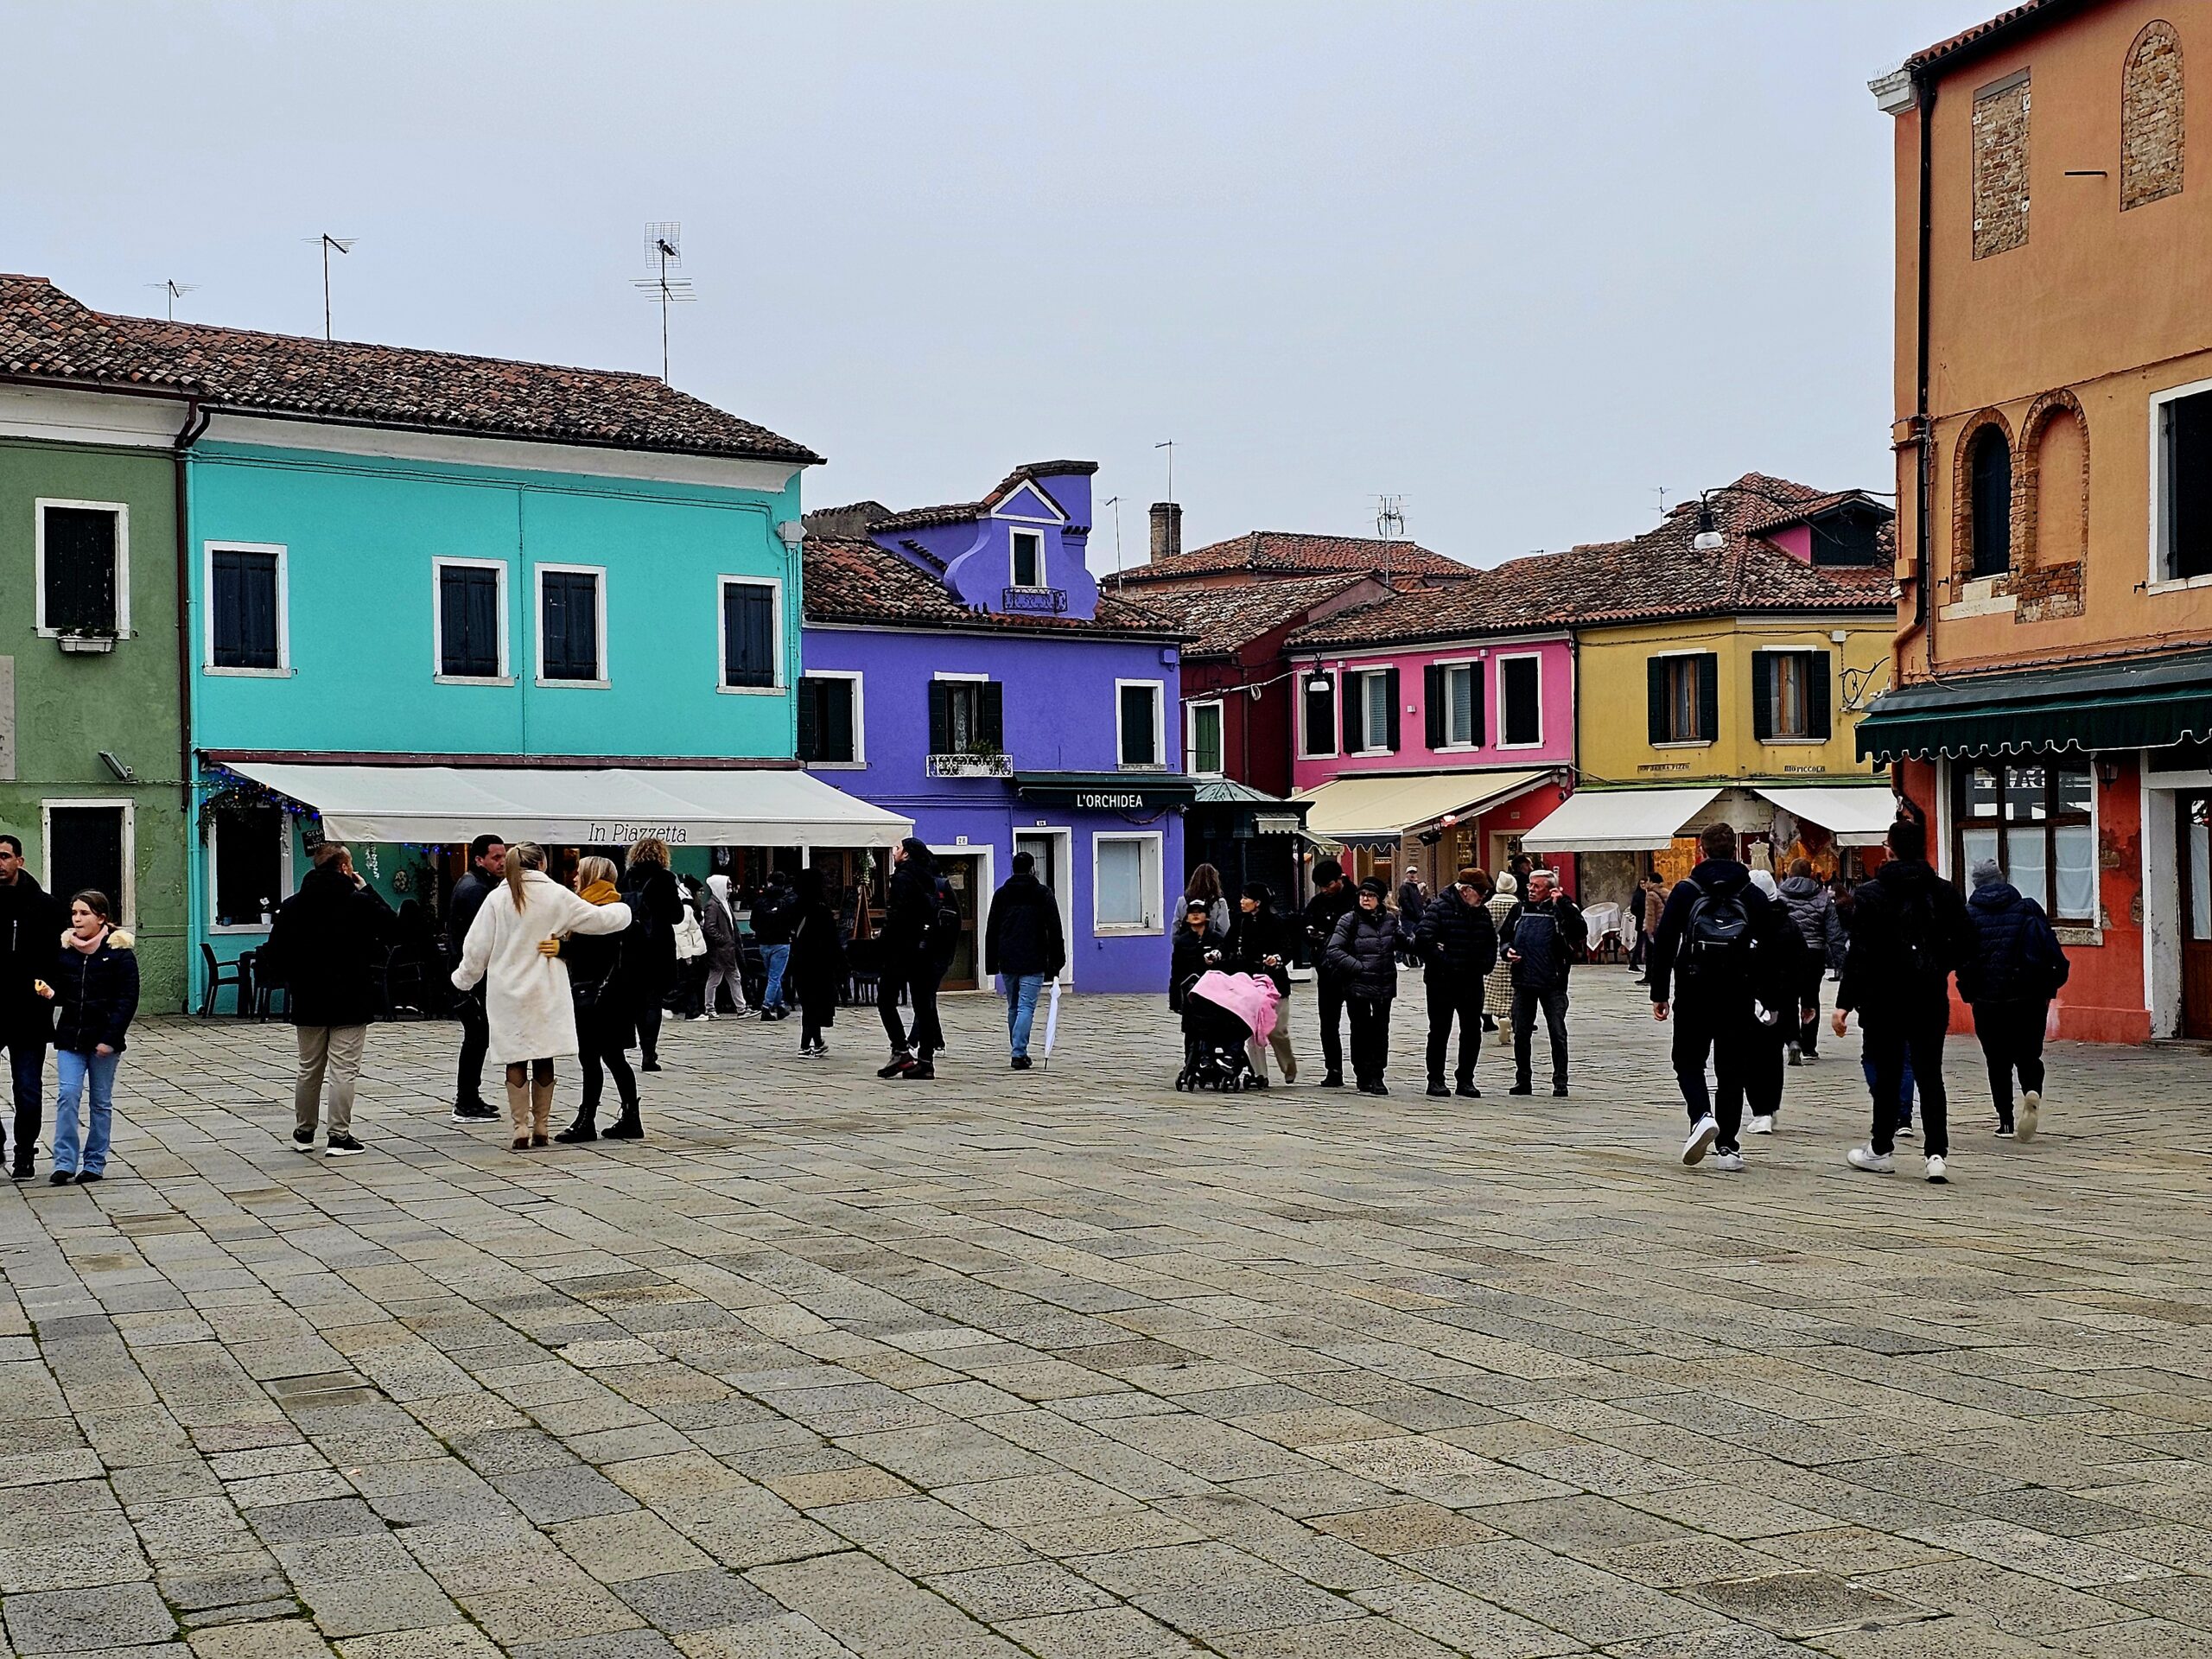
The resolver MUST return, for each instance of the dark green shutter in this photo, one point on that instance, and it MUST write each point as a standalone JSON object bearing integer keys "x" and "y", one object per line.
{"x": 1708, "y": 697}
{"x": 809, "y": 720}
{"x": 1477, "y": 734}
{"x": 1390, "y": 729}
{"x": 940, "y": 718}
{"x": 1656, "y": 680}
{"x": 1320, "y": 713}
{"x": 990, "y": 716}
{"x": 1353, "y": 690}
{"x": 1762, "y": 695}
{"x": 1432, "y": 706}
{"x": 1818, "y": 716}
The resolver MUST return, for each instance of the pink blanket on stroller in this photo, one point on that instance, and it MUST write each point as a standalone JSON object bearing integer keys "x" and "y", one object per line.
{"x": 1251, "y": 997}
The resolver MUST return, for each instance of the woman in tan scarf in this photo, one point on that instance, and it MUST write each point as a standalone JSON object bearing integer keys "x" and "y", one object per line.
{"x": 602, "y": 969}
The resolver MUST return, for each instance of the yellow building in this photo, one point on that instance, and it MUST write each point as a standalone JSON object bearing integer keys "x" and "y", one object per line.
{"x": 1722, "y": 662}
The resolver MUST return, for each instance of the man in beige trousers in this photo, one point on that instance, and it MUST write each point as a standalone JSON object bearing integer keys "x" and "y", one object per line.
{"x": 324, "y": 950}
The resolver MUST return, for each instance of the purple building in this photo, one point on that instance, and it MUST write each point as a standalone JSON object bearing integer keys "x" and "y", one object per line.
{"x": 961, "y": 663}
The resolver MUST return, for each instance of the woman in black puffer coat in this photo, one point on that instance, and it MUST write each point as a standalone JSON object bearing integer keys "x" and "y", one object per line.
{"x": 1363, "y": 954}
{"x": 94, "y": 989}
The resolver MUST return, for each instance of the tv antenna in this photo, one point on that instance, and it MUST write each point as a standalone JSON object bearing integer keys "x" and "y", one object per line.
{"x": 1390, "y": 524}
{"x": 173, "y": 290}
{"x": 344, "y": 245}
{"x": 1115, "y": 502}
{"x": 1169, "y": 446}
{"x": 665, "y": 248}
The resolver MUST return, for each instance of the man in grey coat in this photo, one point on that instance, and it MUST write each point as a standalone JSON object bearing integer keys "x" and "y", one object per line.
{"x": 1820, "y": 923}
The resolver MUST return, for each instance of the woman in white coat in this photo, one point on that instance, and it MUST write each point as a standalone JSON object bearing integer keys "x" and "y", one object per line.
{"x": 514, "y": 949}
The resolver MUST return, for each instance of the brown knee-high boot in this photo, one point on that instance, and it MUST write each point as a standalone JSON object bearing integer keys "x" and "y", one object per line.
{"x": 519, "y": 1104}
{"x": 541, "y": 1109}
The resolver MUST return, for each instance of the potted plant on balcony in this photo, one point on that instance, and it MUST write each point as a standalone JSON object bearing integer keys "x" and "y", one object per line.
{"x": 86, "y": 640}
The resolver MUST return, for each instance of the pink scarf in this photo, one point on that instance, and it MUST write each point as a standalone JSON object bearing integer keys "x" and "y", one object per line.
{"x": 85, "y": 947}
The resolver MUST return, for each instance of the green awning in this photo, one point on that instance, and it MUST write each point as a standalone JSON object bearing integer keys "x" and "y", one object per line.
{"x": 2149, "y": 703}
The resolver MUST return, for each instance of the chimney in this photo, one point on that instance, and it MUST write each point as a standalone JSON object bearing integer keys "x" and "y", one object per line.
{"x": 1167, "y": 530}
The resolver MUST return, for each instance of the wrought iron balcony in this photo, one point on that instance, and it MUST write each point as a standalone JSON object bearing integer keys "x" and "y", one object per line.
{"x": 1035, "y": 602}
{"x": 989, "y": 765}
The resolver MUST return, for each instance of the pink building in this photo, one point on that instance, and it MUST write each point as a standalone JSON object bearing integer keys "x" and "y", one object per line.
{"x": 1423, "y": 749}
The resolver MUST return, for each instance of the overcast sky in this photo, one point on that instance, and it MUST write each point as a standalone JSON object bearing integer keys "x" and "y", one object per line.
{"x": 1520, "y": 263}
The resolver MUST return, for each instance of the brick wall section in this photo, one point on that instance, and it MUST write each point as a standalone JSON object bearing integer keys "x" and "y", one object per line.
{"x": 2052, "y": 507}
{"x": 2150, "y": 129}
{"x": 2000, "y": 167}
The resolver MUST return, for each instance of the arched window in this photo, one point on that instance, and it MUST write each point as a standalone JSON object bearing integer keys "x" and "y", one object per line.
{"x": 2151, "y": 129}
{"x": 1989, "y": 465}
{"x": 2059, "y": 452}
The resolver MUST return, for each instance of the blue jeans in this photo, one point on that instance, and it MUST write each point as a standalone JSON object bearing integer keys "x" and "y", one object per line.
{"x": 1022, "y": 993}
{"x": 72, "y": 1071}
{"x": 775, "y": 956}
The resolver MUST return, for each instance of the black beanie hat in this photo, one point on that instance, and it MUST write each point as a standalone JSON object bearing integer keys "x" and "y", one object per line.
{"x": 1376, "y": 885}
{"x": 1326, "y": 870}
{"x": 1257, "y": 890}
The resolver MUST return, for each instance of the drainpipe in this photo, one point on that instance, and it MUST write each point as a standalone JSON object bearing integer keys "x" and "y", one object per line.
{"x": 1923, "y": 435}
{"x": 195, "y": 423}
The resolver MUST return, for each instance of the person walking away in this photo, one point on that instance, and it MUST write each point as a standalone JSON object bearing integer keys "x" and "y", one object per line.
{"x": 29, "y": 919}
{"x": 513, "y": 950}
{"x": 816, "y": 969}
{"x": 1259, "y": 943}
{"x": 1205, "y": 886}
{"x": 1909, "y": 931}
{"x": 1497, "y": 993}
{"x": 487, "y": 857}
{"x": 1778, "y": 978}
{"x": 1456, "y": 944}
{"x": 1332, "y": 899}
{"x": 771, "y": 931}
{"x": 1363, "y": 955}
{"x": 1812, "y": 907}
{"x": 328, "y": 939}
{"x": 2015, "y": 968}
{"x": 909, "y": 921}
{"x": 94, "y": 989}
{"x": 1195, "y": 951}
{"x": 1638, "y": 901}
{"x": 1024, "y": 945}
{"x": 601, "y": 966}
{"x": 718, "y": 921}
{"x": 649, "y": 889}
{"x": 1701, "y": 976}
{"x": 1412, "y": 901}
{"x": 1543, "y": 935}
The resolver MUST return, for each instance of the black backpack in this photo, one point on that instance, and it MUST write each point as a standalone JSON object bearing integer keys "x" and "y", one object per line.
{"x": 1915, "y": 922}
{"x": 1716, "y": 947}
{"x": 945, "y": 921}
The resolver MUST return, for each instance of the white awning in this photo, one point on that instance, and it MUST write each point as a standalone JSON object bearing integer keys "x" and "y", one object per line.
{"x": 1376, "y": 808}
{"x": 1617, "y": 820}
{"x": 439, "y": 806}
{"x": 1855, "y": 816}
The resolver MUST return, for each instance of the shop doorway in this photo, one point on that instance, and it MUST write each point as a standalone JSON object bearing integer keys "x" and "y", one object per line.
{"x": 965, "y": 872}
{"x": 1053, "y": 851}
{"x": 2194, "y": 850}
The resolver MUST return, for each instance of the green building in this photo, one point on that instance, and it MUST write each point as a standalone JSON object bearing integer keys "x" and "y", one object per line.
{"x": 91, "y": 730}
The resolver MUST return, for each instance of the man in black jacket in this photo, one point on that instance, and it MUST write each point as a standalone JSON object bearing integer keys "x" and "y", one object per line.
{"x": 1332, "y": 898}
{"x": 1908, "y": 930}
{"x": 909, "y": 963}
{"x": 1259, "y": 943}
{"x": 328, "y": 940}
{"x": 30, "y": 922}
{"x": 487, "y": 862}
{"x": 1704, "y": 973}
{"x": 774, "y": 915}
{"x": 1542, "y": 935}
{"x": 1025, "y": 945}
{"x": 1457, "y": 943}
{"x": 2017, "y": 967}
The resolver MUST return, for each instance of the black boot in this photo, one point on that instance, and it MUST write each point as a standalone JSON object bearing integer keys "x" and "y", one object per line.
{"x": 626, "y": 1127}
{"x": 1436, "y": 1087}
{"x": 586, "y": 1128}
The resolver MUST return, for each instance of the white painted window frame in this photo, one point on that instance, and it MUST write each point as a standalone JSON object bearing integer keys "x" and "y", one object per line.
{"x": 858, "y": 762}
{"x": 122, "y": 511}
{"x": 1014, "y": 532}
{"x": 284, "y": 881}
{"x": 439, "y": 565}
{"x": 723, "y": 583}
{"x": 1063, "y": 837}
{"x": 1501, "y": 660}
{"x": 538, "y": 573}
{"x": 1191, "y": 733}
{"x": 1809, "y": 741}
{"x": 1336, "y": 679}
{"x": 127, "y": 900}
{"x": 1371, "y": 741}
{"x": 207, "y": 552}
{"x": 2162, "y": 492}
{"x": 1690, "y": 651}
{"x": 1473, "y": 665}
{"x": 1150, "y": 878}
{"x": 1160, "y": 761}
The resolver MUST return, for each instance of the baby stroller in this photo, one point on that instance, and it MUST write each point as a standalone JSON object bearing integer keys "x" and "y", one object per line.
{"x": 1221, "y": 1013}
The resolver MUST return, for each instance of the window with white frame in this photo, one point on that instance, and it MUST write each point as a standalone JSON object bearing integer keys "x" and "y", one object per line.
{"x": 2036, "y": 818}
{"x": 249, "y": 865}
{"x": 967, "y": 715}
{"x": 2182, "y": 419}
{"x": 247, "y": 629}
{"x": 571, "y": 625}
{"x": 1370, "y": 710}
{"x": 830, "y": 730}
{"x": 1520, "y": 703}
{"x": 1027, "y": 557}
{"x": 91, "y": 845}
{"x": 1202, "y": 739}
{"x": 1316, "y": 713}
{"x": 469, "y": 619}
{"x": 752, "y": 656}
{"x": 1456, "y": 692}
{"x": 1125, "y": 883}
{"x": 1141, "y": 743}
{"x": 84, "y": 567}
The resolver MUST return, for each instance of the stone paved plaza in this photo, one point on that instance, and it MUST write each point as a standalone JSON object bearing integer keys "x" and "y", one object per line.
{"x": 1069, "y": 1365}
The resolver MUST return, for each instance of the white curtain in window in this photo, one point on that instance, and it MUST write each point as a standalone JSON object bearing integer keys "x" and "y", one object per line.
{"x": 1120, "y": 883}
{"x": 2075, "y": 893}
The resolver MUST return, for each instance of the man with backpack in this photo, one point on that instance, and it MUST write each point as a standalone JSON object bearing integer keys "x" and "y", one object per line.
{"x": 1542, "y": 935}
{"x": 2017, "y": 967}
{"x": 1705, "y": 975}
{"x": 1908, "y": 930}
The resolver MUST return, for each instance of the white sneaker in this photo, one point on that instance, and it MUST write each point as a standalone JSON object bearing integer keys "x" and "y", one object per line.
{"x": 1865, "y": 1158}
{"x": 1729, "y": 1163}
{"x": 2024, "y": 1121}
{"x": 700, "y": 1019}
{"x": 1763, "y": 1124}
{"x": 1905, "y": 1131}
{"x": 1703, "y": 1134}
{"x": 1937, "y": 1175}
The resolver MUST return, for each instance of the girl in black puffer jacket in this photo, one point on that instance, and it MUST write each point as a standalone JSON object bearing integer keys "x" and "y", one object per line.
{"x": 95, "y": 993}
{"x": 1363, "y": 954}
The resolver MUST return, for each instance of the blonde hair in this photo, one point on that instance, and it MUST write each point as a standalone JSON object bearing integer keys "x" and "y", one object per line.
{"x": 522, "y": 855}
{"x": 649, "y": 849}
{"x": 594, "y": 868}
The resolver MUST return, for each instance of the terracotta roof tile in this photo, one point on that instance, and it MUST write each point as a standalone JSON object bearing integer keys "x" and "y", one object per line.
{"x": 46, "y": 335}
{"x": 1215, "y": 620}
{"x": 1278, "y": 552}
{"x": 854, "y": 581}
{"x": 1984, "y": 33}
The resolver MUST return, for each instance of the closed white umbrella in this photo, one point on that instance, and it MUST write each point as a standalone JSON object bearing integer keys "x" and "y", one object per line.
{"x": 1052, "y": 1020}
